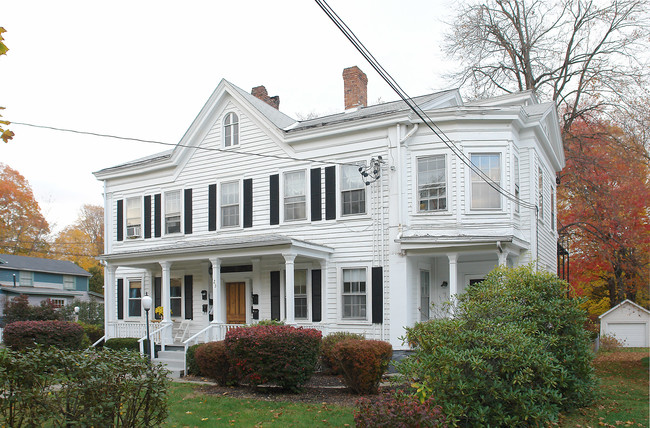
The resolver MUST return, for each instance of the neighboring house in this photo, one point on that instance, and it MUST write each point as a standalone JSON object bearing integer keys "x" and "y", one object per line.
{"x": 255, "y": 215}
{"x": 41, "y": 279}
{"x": 629, "y": 323}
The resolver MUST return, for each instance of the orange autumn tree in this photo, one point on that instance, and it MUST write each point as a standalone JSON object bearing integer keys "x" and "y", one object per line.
{"x": 603, "y": 207}
{"x": 23, "y": 228}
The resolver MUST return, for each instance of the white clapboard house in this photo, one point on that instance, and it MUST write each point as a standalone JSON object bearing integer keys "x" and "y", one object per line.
{"x": 255, "y": 215}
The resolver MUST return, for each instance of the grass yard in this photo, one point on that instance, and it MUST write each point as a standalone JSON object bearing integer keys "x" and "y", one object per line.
{"x": 188, "y": 407}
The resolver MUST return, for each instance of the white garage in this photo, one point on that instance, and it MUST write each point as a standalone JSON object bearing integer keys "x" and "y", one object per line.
{"x": 629, "y": 322}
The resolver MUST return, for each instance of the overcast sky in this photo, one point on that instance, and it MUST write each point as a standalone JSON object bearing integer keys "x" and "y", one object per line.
{"x": 144, "y": 69}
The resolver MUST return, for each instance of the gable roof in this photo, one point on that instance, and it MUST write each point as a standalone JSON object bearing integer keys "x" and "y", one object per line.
{"x": 36, "y": 264}
{"x": 623, "y": 303}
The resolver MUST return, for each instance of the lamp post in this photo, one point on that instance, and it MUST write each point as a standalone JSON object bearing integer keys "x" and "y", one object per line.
{"x": 146, "y": 305}
{"x": 76, "y": 313}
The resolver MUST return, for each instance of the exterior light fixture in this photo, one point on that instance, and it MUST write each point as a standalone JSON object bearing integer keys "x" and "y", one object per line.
{"x": 146, "y": 305}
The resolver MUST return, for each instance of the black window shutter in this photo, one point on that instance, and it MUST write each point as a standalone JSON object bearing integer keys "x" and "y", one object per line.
{"x": 157, "y": 215}
{"x": 120, "y": 299}
{"x": 275, "y": 295}
{"x": 147, "y": 216}
{"x": 274, "y": 189}
{"x": 316, "y": 211}
{"x": 157, "y": 294}
{"x": 330, "y": 192}
{"x": 316, "y": 295}
{"x": 212, "y": 207}
{"x": 120, "y": 220}
{"x": 377, "y": 295}
{"x": 189, "y": 314}
{"x": 248, "y": 202}
{"x": 188, "y": 211}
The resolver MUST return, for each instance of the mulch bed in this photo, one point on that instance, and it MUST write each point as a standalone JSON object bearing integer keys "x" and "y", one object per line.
{"x": 321, "y": 389}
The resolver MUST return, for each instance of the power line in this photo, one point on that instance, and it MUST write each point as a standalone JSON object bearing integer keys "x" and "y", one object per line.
{"x": 349, "y": 34}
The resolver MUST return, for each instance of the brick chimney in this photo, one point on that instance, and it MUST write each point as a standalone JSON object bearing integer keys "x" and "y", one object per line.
{"x": 261, "y": 93}
{"x": 355, "y": 88}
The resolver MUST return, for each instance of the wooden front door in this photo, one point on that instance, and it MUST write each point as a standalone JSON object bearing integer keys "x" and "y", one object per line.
{"x": 236, "y": 303}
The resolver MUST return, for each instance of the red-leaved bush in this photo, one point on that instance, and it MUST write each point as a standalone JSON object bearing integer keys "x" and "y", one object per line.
{"x": 398, "y": 411}
{"x": 61, "y": 334}
{"x": 282, "y": 355}
{"x": 363, "y": 363}
{"x": 328, "y": 361}
{"x": 213, "y": 362}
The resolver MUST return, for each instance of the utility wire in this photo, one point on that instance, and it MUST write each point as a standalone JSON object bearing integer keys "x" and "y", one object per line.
{"x": 349, "y": 34}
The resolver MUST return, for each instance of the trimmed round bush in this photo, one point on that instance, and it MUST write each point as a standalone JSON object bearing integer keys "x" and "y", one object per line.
{"x": 398, "y": 410}
{"x": 94, "y": 332}
{"x": 119, "y": 343}
{"x": 190, "y": 360}
{"x": 327, "y": 345}
{"x": 363, "y": 363}
{"x": 26, "y": 334}
{"x": 282, "y": 355}
{"x": 213, "y": 361}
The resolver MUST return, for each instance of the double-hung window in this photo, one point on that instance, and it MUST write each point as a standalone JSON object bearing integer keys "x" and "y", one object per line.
{"x": 300, "y": 294}
{"x": 230, "y": 204}
{"x": 68, "y": 282}
{"x": 432, "y": 183}
{"x": 295, "y": 196}
{"x": 353, "y": 191}
{"x": 354, "y": 294}
{"x": 135, "y": 298}
{"x": 173, "y": 212}
{"x": 484, "y": 196}
{"x": 133, "y": 218}
{"x": 230, "y": 130}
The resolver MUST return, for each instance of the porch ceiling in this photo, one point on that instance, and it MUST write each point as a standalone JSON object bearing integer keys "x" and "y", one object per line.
{"x": 227, "y": 249}
{"x": 455, "y": 243}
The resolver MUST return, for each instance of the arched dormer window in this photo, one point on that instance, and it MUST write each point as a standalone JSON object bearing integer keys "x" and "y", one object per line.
{"x": 230, "y": 130}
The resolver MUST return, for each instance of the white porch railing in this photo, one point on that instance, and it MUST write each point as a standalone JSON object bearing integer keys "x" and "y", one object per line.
{"x": 155, "y": 336}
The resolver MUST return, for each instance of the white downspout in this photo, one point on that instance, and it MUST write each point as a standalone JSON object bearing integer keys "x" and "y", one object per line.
{"x": 400, "y": 173}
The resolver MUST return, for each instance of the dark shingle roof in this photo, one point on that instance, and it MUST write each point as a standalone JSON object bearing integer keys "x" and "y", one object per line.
{"x": 35, "y": 264}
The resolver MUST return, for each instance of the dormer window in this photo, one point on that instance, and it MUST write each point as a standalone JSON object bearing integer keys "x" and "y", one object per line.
{"x": 230, "y": 130}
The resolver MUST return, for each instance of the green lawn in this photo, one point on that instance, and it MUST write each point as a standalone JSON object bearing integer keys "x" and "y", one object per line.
{"x": 190, "y": 408}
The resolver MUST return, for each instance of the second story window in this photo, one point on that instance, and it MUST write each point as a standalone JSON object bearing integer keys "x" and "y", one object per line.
{"x": 230, "y": 130}
{"x": 173, "y": 212}
{"x": 230, "y": 204}
{"x": 484, "y": 196}
{"x": 133, "y": 218}
{"x": 432, "y": 183}
{"x": 516, "y": 168}
{"x": 295, "y": 196}
{"x": 353, "y": 191}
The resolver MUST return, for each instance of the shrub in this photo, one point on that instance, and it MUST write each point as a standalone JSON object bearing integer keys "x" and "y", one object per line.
{"x": 609, "y": 343}
{"x": 398, "y": 410}
{"x": 283, "y": 355}
{"x": 363, "y": 363}
{"x": 94, "y": 332}
{"x": 190, "y": 360}
{"x": 119, "y": 343}
{"x": 327, "y": 360}
{"x": 61, "y": 334}
{"x": 19, "y": 309}
{"x": 516, "y": 352}
{"x": 50, "y": 387}
{"x": 214, "y": 362}
{"x": 89, "y": 312}
{"x": 270, "y": 322}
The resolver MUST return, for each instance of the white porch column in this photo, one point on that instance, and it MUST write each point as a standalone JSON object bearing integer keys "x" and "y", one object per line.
{"x": 289, "y": 287}
{"x": 165, "y": 288}
{"x": 323, "y": 292}
{"x": 503, "y": 258}
{"x": 217, "y": 304}
{"x": 453, "y": 278}
{"x": 110, "y": 304}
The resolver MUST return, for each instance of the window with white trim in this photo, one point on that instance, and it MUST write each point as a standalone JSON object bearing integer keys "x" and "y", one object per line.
{"x": 175, "y": 297}
{"x": 295, "y": 196}
{"x": 230, "y": 130}
{"x": 135, "y": 298}
{"x": 68, "y": 282}
{"x": 432, "y": 183}
{"x": 134, "y": 217}
{"x": 57, "y": 303}
{"x": 484, "y": 196}
{"x": 173, "y": 212}
{"x": 230, "y": 204}
{"x": 516, "y": 171}
{"x": 540, "y": 190}
{"x": 425, "y": 301}
{"x": 26, "y": 279}
{"x": 300, "y": 294}
{"x": 354, "y": 294}
{"x": 353, "y": 191}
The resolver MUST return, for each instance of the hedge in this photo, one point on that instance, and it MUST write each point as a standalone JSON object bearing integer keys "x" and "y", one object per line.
{"x": 61, "y": 334}
{"x": 128, "y": 343}
{"x": 327, "y": 345}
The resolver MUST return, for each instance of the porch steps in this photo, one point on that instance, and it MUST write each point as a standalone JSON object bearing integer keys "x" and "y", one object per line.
{"x": 174, "y": 361}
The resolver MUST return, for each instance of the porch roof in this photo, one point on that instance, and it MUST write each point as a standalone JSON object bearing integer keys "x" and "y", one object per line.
{"x": 459, "y": 243}
{"x": 242, "y": 246}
